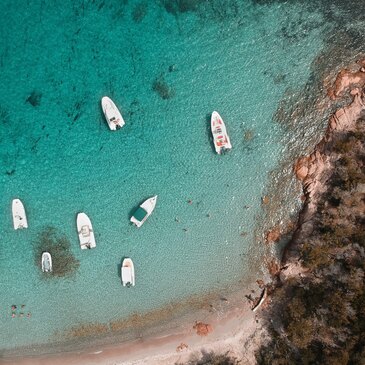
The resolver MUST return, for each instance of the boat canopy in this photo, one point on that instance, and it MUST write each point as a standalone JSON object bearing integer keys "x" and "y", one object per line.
{"x": 127, "y": 274}
{"x": 139, "y": 214}
{"x": 47, "y": 264}
{"x": 85, "y": 231}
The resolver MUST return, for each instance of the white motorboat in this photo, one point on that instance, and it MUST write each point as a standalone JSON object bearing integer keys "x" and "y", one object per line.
{"x": 19, "y": 216}
{"x": 220, "y": 136}
{"x": 85, "y": 231}
{"x": 46, "y": 262}
{"x": 144, "y": 211}
{"x": 127, "y": 273}
{"x": 112, "y": 114}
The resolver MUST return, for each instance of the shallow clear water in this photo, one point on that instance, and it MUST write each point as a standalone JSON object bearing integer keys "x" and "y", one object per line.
{"x": 59, "y": 157}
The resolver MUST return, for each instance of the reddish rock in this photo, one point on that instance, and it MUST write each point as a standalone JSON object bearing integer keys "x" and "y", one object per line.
{"x": 274, "y": 267}
{"x": 202, "y": 329}
{"x": 273, "y": 235}
{"x": 260, "y": 283}
{"x": 345, "y": 80}
{"x": 265, "y": 199}
{"x": 301, "y": 167}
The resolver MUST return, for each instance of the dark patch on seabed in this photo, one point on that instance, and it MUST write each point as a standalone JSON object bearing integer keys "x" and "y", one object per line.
{"x": 161, "y": 87}
{"x": 339, "y": 11}
{"x": 57, "y": 244}
{"x": 34, "y": 98}
{"x": 181, "y": 6}
{"x": 139, "y": 12}
{"x": 214, "y": 10}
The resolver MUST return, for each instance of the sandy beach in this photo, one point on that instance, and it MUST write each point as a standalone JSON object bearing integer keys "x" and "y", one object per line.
{"x": 236, "y": 333}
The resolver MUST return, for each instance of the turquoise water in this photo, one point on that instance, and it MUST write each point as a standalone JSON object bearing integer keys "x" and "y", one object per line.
{"x": 59, "y": 157}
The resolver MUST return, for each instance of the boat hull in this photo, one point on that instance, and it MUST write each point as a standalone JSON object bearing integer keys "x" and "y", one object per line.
{"x": 46, "y": 262}
{"x": 219, "y": 132}
{"x": 85, "y": 232}
{"x": 112, "y": 114}
{"x": 148, "y": 206}
{"x": 127, "y": 272}
{"x": 19, "y": 216}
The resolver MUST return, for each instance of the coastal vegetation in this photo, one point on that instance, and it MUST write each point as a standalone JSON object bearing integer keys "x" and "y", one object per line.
{"x": 317, "y": 314}
{"x": 57, "y": 244}
{"x": 210, "y": 358}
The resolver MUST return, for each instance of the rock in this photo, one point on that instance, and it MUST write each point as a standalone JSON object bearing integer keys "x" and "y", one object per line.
{"x": 274, "y": 267}
{"x": 182, "y": 347}
{"x": 260, "y": 283}
{"x": 345, "y": 80}
{"x": 202, "y": 329}
{"x": 301, "y": 168}
{"x": 34, "y": 98}
{"x": 302, "y": 172}
{"x": 273, "y": 235}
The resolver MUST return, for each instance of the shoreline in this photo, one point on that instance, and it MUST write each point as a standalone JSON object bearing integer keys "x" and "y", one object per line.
{"x": 318, "y": 291}
{"x": 234, "y": 331}
{"x": 314, "y": 169}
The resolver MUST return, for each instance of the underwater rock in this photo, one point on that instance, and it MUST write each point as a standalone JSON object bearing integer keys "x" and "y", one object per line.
{"x": 181, "y": 6}
{"x": 172, "y": 68}
{"x": 248, "y": 135}
{"x": 273, "y": 235}
{"x": 34, "y": 98}
{"x": 57, "y": 244}
{"x": 161, "y": 87}
{"x": 10, "y": 172}
{"x": 139, "y": 12}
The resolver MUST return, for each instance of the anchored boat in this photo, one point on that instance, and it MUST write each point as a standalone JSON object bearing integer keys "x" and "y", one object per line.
{"x": 127, "y": 273}
{"x": 19, "y": 216}
{"x": 46, "y": 262}
{"x": 220, "y": 136}
{"x": 85, "y": 231}
{"x": 144, "y": 211}
{"x": 112, "y": 114}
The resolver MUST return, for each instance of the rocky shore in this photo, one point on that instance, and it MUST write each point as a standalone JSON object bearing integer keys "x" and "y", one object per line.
{"x": 316, "y": 312}
{"x": 315, "y": 170}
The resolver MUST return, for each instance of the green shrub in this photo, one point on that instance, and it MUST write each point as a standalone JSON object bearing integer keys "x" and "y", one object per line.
{"x": 315, "y": 256}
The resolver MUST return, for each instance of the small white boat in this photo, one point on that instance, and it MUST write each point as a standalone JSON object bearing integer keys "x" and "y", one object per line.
{"x": 112, "y": 114}
{"x": 46, "y": 262}
{"x": 220, "y": 136}
{"x": 144, "y": 211}
{"x": 85, "y": 231}
{"x": 19, "y": 216}
{"x": 127, "y": 273}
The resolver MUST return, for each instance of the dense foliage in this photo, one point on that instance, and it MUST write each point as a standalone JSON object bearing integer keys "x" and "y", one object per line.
{"x": 210, "y": 358}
